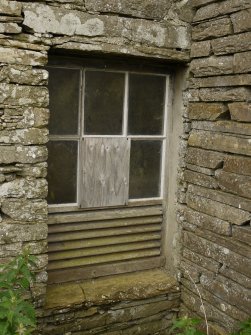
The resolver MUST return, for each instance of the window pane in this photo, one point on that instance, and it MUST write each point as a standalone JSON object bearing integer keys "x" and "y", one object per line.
{"x": 64, "y": 101}
{"x": 104, "y": 95}
{"x": 62, "y": 171}
{"x": 146, "y": 104}
{"x": 145, "y": 165}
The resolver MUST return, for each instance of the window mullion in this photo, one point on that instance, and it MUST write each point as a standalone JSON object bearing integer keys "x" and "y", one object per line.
{"x": 125, "y": 111}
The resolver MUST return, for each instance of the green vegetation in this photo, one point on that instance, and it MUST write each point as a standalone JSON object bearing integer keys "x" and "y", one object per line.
{"x": 17, "y": 316}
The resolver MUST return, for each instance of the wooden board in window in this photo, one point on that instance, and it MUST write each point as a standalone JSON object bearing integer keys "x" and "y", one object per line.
{"x": 105, "y": 164}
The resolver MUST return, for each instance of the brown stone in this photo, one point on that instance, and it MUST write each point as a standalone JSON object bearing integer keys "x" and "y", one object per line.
{"x": 221, "y": 142}
{"x": 237, "y": 164}
{"x": 200, "y": 49}
{"x": 207, "y": 222}
{"x": 204, "y": 262}
{"x": 149, "y": 9}
{"x": 242, "y": 62}
{"x": 206, "y": 111}
{"x": 240, "y": 111}
{"x": 220, "y": 126}
{"x": 199, "y": 3}
{"x": 211, "y": 29}
{"x": 242, "y": 234}
{"x": 217, "y": 252}
{"x": 10, "y": 28}
{"x": 200, "y": 179}
{"x": 218, "y": 210}
{"x": 220, "y": 196}
{"x": 19, "y": 56}
{"x": 221, "y": 81}
{"x": 10, "y": 8}
{"x": 24, "y": 136}
{"x": 206, "y": 158}
{"x": 231, "y": 44}
{"x": 212, "y": 66}
{"x": 220, "y": 8}
{"x": 241, "y": 20}
{"x": 225, "y": 94}
{"x": 234, "y": 183}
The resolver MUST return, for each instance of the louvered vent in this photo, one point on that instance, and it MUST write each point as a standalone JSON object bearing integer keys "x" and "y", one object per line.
{"x": 96, "y": 238}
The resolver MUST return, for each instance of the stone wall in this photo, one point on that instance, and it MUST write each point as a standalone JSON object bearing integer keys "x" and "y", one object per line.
{"x": 28, "y": 32}
{"x": 214, "y": 195}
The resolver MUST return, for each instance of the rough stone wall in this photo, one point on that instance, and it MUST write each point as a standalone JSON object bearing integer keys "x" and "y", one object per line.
{"x": 215, "y": 189}
{"x": 28, "y": 31}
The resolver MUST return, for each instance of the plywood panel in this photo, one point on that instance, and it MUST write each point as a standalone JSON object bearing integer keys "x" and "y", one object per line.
{"x": 105, "y": 164}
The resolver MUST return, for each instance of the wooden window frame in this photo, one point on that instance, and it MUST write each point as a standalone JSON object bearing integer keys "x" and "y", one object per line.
{"x": 163, "y": 71}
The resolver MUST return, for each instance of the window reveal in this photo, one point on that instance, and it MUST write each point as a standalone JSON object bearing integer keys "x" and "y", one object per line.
{"x": 107, "y": 136}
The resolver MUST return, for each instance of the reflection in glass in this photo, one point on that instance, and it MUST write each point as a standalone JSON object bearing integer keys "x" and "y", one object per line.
{"x": 103, "y": 102}
{"x": 145, "y": 163}
{"x": 64, "y": 101}
{"x": 62, "y": 171}
{"x": 146, "y": 104}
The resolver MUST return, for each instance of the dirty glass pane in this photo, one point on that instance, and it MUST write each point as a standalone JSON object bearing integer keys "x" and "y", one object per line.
{"x": 104, "y": 95}
{"x": 62, "y": 171}
{"x": 64, "y": 101}
{"x": 146, "y": 104}
{"x": 145, "y": 163}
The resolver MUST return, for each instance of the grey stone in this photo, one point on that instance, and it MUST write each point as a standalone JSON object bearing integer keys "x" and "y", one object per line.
{"x": 10, "y": 28}
{"x": 225, "y": 94}
{"x": 18, "y": 56}
{"x": 221, "y": 142}
{"x": 38, "y": 170}
{"x": 221, "y": 81}
{"x": 221, "y": 126}
{"x": 25, "y": 210}
{"x": 10, "y": 8}
{"x": 237, "y": 164}
{"x": 211, "y": 29}
{"x": 12, "y": 232}
{"x": 200, "y": 179}
{"x": 24, "y": 75}
{"x": 218, "y": 210}
{"x": 200, "y": 49}
{"x": 206, "y": 111}
{"x": 22, "y": 154}
{"x": 212, "y": 66}
{"x": 200, "y": 260}
{"x": 24, "y": 136}
{"x": 242, "y": 62}
{"x": 241, "y": 20}
{"x": 15, "y": 95}
{"x": 234, "y": 183}
{"x": 231, "y": 44}
{"x": 242, "y": 234}
{"x": 205, "y": 158}
{"x": 30, "y": 188}
{"x": 26, "y": 117}
{"x": 240, "y": 111}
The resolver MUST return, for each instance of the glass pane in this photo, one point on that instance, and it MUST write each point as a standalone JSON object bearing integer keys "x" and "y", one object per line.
{"x": 62, "y": 171}
{"x": 146, "y": 104}
{"x": 104, "y": 96}
{"x": 64, "y": 101}
{"x": 145, "y": 169}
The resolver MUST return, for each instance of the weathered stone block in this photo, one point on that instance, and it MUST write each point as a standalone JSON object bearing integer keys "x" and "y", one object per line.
{"x": 242, "y": 62}
{"x": 38, "y": 170}
{"x": 16, "y": 95}
{"x": 241, "y": 20}
{"x": 206, "y": 111}
{"x": 212, "y": 66}
{"x": 240, "y": 111}
{"x": 218, "y": 210}
{"x": 199, "y": 3}
{"x": 205, "y": 262}
{"x": 220, "y": 196}
{"x": 23, "y": 75}
{"x": 25, "y": 210}
{"x": 234, "y": 183}
{"x": 237, "y": 164}
{"x": 196, "y": 168}
{"x": 225, "y": 94}
{"x": 24, "y": 136}
{"x": 30, "y": 188}
{"x": 206, "y": 158}
{"x": 11, "y": 233}
{"x": 205, "y": 221}
{"x": 220, "y": 126}
{"x": 200, "y": 179}
{"x": 149, "y": 9}
{"x": 221, "y": 142}
{"x": 236, "y": 276}
{"x": 26, "y": 117}
{"x": 200, "y": 49}
{"x": 221, "y": 81}
{"x": 242, "y": 234}
{"x": 10, "y": 28}
{"x": 231, "y": 44}
{"x": 19, "y": 56}
{"x": 22, "y": 154}
{"x": 220, "y": 8}
{"x": 10, "y": 8}
{"x": 213, "y": 28}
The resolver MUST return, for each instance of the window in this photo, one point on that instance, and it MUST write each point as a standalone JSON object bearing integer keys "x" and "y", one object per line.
{"x": 107, "y": 136}
{"x": 108, "y": 126}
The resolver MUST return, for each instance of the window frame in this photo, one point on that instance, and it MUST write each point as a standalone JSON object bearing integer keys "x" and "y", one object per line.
{"x": 163, "y": 71}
